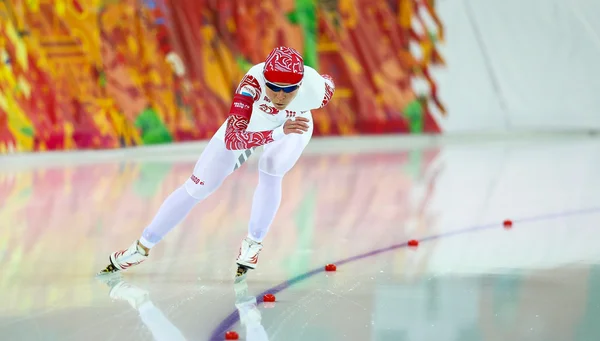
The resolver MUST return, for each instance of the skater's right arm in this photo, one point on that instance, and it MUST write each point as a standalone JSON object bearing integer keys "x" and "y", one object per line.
{"x": 236, "y": 135}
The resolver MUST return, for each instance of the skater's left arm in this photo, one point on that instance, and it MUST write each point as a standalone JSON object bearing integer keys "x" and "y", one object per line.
{"x": 319, "y": 89}
{"x": 329, "y": 86}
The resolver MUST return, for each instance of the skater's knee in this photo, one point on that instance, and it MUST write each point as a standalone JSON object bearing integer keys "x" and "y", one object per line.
{"x": 274, "y": 169}
{"x": 200, "y": 189}
{"x": 266, "y": 165}
{"x": 269, "y": 178}
{"x": 273, "y": 166}
{"x": 281, "y": 159}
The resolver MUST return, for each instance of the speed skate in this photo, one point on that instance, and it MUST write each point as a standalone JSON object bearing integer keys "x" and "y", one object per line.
{"x": 124, "y": 259}
{"x": 248, "y": 256}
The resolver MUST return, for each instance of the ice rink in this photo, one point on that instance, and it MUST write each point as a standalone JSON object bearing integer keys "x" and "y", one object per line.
{"x": 354, "y": 202}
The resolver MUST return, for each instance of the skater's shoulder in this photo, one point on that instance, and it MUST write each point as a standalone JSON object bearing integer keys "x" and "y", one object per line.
{"x": 314, "y": 77}
{"x": 316, "y": 90}
{"x": 252, "y": 83}
{"x": 310, "y": 71}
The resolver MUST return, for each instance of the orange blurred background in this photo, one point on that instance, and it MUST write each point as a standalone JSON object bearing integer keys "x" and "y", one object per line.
{"x": 100, "y": 74}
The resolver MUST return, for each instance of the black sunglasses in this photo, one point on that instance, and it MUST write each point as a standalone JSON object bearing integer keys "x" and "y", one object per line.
{"x": 286, "y": 89}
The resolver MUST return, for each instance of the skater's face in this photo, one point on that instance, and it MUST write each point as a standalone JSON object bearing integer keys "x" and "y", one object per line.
{"x": 281, "y": 94}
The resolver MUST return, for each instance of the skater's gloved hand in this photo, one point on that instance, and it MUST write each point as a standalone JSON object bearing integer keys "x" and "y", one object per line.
{"x": 297, "y": 126}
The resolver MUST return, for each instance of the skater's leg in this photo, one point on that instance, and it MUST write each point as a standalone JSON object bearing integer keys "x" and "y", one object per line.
{"x": 278, "y": 158}
{"x": 213, "y": 166}
{"x": 173, "y": 210}
{"x": 275, "y": 162}
{"x": 266, "y": 201}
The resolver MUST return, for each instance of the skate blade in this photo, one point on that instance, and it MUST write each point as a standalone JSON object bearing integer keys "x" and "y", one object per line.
{"x": 110, "y": 269}
{"x": 110, "y": 279}
{"x": 241, "y": 272}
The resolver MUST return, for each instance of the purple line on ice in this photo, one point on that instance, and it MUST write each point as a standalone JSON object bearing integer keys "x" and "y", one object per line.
{"x": 229, "y": 321}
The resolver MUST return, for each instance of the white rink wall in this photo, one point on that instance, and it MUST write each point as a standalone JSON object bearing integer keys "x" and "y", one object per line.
{"x": 519, "y": 65}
